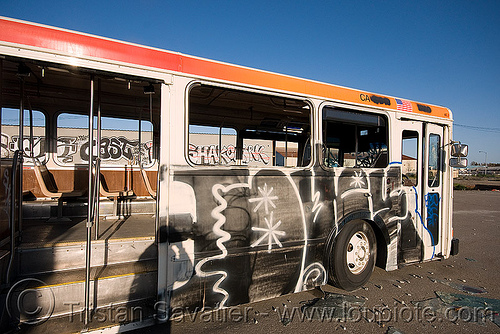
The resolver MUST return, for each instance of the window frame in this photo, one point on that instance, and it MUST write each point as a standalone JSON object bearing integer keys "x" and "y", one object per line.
{"x": 418, "y": 158}
{"x": 105, "y": 165}
{"x": 438, "y": 162}
{"x": 355, "y": 109}
{"x": 26, "y": 134}
{"x": 244, "y": 89}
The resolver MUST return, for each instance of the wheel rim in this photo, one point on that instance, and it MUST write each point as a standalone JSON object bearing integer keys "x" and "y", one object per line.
{"x": 358, "y": 252}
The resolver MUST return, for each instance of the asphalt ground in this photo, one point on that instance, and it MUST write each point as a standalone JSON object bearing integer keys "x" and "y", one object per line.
{"x": 406, "y": 300}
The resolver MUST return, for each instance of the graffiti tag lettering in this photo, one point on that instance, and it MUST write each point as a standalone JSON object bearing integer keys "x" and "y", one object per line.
{"x": 74, "y": 149}
{"x": 209, "y": 154}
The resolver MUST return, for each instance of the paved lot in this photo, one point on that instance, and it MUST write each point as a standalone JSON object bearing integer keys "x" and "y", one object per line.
{"x": 387, "y": 302}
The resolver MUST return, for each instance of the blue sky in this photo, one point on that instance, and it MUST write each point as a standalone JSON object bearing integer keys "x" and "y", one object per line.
{"x": 439, "y": 52}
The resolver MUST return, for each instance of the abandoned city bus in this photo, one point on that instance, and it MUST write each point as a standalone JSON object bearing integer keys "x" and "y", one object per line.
{"x": 149, "y": 179}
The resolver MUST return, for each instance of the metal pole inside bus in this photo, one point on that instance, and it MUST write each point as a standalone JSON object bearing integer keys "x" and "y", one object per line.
{"x": 139, "y": 158}
{"x": 90, "y": 205}
{"x": 98, "y": 162}
{"x": 21, "y": 158}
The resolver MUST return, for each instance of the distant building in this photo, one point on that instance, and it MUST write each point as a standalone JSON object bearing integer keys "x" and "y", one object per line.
{"x": 409, "y": 165}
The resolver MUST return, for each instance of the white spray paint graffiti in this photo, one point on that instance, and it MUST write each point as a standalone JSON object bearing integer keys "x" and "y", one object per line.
{"x": 317, "y": 206}
{"x": 358, "y": 180}
{"x": 223, "y": 237}
{"x": 209, "y": 154}
{"x": 359, "y": 183}
{"x": 265, "y": 199}
{"x": 271, "y": 232}
{"x": 314, "y": 275}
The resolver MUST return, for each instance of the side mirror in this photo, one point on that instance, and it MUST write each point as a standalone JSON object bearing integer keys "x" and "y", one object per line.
{"x": 458, "y": 162}
{"x": 459, "y": 150}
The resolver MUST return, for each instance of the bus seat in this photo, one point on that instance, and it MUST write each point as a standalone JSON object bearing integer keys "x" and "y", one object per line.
{"x": 114, "y": 195}
{"x": 381, "y": 161}
{"x": 49, "y": 188}
{"x": 145, "y": 178}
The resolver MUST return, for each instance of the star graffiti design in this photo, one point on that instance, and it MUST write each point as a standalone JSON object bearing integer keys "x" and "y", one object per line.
{"x": 265, "y": 199}
{"x": 358, "y": 183}
{"x": 271, "y": 233}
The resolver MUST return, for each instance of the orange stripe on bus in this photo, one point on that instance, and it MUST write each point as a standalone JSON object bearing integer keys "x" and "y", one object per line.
{"x": 82, "y": 45}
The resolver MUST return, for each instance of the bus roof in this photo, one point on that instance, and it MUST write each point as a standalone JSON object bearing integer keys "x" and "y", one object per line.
{"x": 80, "y": 45}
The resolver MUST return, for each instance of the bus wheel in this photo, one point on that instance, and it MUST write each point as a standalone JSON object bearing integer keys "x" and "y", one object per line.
{"x": 353, "y": 259}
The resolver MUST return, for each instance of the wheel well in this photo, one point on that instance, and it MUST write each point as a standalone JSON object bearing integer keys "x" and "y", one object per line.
{"x": 381, "y": 244}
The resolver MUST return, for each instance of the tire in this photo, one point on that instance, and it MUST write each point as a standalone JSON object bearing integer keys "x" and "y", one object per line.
{"x": 352, "y": 260}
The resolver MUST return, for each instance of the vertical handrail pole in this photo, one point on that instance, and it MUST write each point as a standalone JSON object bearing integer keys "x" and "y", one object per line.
{"x": 157, "y": 224}
{"x": 90, "y": 204}
{"x": 286, "y": 144}
{"x": 32, "y": 143}
{"x": 98, "y": 165}
{"x": 32, "y": 154}
{"x": 12, "y": 199}
{"x": 139, "y": 157}
{"x": 21, "y": 118}
{"x": 21, "y": 148}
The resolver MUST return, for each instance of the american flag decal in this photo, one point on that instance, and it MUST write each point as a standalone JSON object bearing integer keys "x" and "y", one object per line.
{"x": 404, "y": 105}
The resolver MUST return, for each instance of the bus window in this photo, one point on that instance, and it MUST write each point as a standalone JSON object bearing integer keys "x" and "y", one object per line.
{"x": 204, "y": 142}
{"x": 10, "y": 135}
{"x": 434, "y": 160}
{"x": 354, "y": 138}
{"x": 286, "y": 153}
{"x": 409, "y": 158}
{"x": 254, "y": 130}
{"x": 119, "y": 140}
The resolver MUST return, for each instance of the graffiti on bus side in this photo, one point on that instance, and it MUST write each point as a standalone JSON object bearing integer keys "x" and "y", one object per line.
{"x": 432, "y": 204}
{"x": 276, "y": 214}
{"x": 266, "y": 212}
{"x": 11, "y": 144}
{"x": 74, "y": 149}
{"x": 209, "y": 154}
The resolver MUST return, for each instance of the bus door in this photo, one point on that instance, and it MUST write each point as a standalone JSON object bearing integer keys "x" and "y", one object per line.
{"x": 421, "y": 160}
{"x": 412, "y": 229}
{"x": 433, "y": 188}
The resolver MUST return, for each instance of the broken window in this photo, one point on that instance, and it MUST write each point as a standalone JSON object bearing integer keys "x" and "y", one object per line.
{"x": 232, "y": 127}
{"x": 354, "y": 138}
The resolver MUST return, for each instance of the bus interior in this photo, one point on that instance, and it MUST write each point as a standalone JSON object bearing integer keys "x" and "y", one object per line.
{"x": 56, "y": 101}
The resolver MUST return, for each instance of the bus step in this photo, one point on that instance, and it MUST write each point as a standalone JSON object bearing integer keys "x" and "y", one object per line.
{"x": 115, "y": 318}
{"x": 69, "y": 256}
{"x": 48, "y": 208}
{"x": 112, "y": 291}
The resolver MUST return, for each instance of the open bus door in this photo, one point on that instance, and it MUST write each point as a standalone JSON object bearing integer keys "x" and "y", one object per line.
{"x": 412, "y": 230}
{"x": 422, "y": 160}
{"x": 86, "y": 216}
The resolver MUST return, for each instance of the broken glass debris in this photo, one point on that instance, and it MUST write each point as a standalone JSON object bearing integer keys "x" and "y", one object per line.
{"x": 394, "y": 330}
{"x": 455, "y": 307}
{"x": 461, "y": 287}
